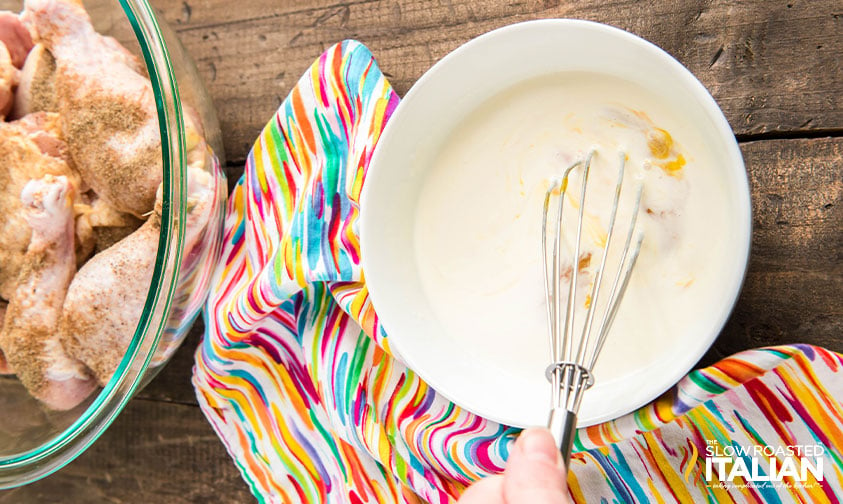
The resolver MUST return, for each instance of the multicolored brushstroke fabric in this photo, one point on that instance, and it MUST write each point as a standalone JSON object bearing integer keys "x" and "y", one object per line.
{"x": 296, "y": 375}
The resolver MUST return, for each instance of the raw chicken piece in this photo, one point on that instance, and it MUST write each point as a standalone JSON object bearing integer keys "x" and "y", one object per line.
{"x": 36, "y": 89}
{"x": 4, "y": 366}
{"x": 30, "y": 338}
{"x": 22, "y": 159}
{"x": 107, "y": 225}
{"x": 106, "y": 298}
{"x": 15, "y": 43}
{"x": 44, "y": 129}
{"x": 8, "y": 81}
{"x": 108, "y": 109}
{"x": 15, "y": 36}
{"x": 125, "y": 55}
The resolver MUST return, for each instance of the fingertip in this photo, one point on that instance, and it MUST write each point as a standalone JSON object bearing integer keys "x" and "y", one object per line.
{"x": 535, "y": 469}
{"x": 488, "y": 490}
{"x": 538, "y": 444}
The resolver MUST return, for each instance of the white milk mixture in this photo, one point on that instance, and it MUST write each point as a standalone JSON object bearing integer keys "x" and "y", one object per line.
{"x": 478, "y": 223}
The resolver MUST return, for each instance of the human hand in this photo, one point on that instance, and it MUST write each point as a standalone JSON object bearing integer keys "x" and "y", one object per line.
{"x": 534, "y": 474}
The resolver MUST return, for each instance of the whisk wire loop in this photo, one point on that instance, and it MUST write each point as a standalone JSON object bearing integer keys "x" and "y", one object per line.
{"x": 572, "y": 359}
{"x": 573, "y": 374}
{"x": 621, "y": 279}
{"x": 551, "y": 286}
{"x": 595, "y": 288}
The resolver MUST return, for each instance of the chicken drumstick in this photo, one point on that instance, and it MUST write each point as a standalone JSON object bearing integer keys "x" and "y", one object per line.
{"x": 29, "y": 337}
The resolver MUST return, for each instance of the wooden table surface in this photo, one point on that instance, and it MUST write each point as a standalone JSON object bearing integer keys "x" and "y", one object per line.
{"x": 772, "y": 65}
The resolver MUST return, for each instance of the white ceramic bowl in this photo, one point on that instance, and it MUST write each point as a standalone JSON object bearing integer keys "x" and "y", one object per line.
{"x": 440, "y": 100}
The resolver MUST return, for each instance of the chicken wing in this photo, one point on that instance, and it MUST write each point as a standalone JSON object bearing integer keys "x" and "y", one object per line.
{"x": 30, "y": 338}
{"x": 108, "y": 109}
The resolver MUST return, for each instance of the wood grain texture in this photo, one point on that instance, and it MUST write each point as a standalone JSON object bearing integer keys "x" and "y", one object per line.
{"x": 773, "y": 66}
{"x": 153, "y": 453}
{"x": 794, "y": 285}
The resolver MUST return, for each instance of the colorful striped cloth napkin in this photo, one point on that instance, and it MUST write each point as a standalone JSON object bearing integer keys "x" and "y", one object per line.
{"x": 296, "y": 375}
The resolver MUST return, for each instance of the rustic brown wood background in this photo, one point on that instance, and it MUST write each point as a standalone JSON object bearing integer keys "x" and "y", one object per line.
{"x": 772, "y": 65}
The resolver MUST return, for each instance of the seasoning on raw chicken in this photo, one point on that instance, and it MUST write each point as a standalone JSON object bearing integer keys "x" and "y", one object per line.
{"x": 36, "y": 89}
{"x": 115, "y": 282}
{"x": 79, "y": 171}
{"x": 107, "y": 225}
{"x": 108, "y": 109}
{"x": 29, "y": 336}
{"x": 23, "y": 159}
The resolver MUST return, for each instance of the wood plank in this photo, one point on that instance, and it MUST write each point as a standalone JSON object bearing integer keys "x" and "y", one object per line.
{"x": 206, "y": 12}
{"x": 772, "y": 66}
{"x": 154, "y": 452}
{"x": 794, "y": 285}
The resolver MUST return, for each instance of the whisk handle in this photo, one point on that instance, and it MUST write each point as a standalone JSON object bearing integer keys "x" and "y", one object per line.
{"x": 562, "y": 425}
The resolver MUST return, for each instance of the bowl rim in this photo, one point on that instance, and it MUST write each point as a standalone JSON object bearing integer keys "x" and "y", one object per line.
{"x": 64, "y": 447}
{"x": 378, "y": 284}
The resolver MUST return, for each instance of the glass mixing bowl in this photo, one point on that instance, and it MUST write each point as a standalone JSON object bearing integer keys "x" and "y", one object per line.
{"x": 35, "y": 440}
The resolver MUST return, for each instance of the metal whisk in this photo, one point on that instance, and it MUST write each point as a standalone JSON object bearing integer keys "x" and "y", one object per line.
{"x": 573, "y": 356}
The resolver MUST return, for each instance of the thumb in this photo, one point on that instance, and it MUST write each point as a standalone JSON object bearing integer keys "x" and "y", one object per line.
{"x": 534, "y": 473}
